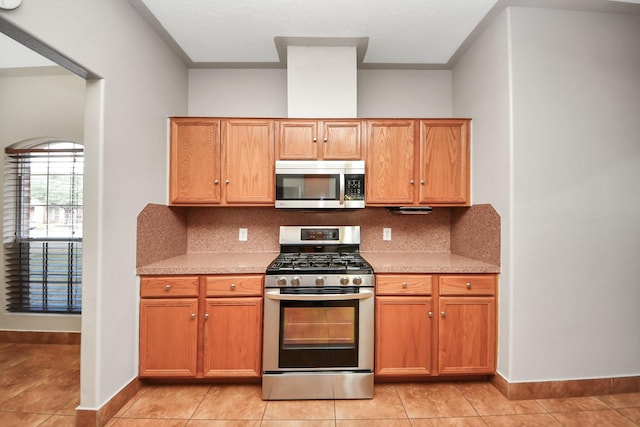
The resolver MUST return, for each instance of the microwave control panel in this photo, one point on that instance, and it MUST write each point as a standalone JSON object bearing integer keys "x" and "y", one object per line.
{"x": 354, "y": 187}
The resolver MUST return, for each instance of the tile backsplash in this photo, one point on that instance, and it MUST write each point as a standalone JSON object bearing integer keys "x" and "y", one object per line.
{"x": 216, "y": 229}
{"x": 164, "y": 232}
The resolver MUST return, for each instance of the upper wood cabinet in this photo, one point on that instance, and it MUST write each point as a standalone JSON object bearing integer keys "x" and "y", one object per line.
{"x": 325, "y": 139}
{"x": 194, "y": 161}
{"x": 221, "y": 162}
{"x": 411, "y": 162}
{"x": 444, "y": 162}
{"x": 391, "y": 152}
{"x": 248, "y": 162}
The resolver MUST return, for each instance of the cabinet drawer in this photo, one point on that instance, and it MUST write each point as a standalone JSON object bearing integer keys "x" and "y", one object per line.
{"x": 467, "y": 285}
{"x": 234, "y": 285}
{"x": 169, "y": 287}
{"x": 403, "y": 284}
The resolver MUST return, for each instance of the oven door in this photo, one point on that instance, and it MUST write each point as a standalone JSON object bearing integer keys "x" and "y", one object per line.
{"x": 327, "y": 330}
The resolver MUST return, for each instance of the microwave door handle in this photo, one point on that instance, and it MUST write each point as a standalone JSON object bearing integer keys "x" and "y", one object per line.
{"x": 342, "y": 189}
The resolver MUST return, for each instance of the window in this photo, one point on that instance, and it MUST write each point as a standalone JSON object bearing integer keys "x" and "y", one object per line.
{"x": 43, "y": 227}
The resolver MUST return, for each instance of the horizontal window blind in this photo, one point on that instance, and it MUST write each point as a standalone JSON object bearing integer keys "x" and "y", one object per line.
{"x": 43, "y": 227}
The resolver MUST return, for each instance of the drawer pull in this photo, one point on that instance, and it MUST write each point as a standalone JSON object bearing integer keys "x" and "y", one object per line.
{"x": 233, "y": 286}
{"x": 167, "y": 287}
{"x": 404, "y": 284}
{"x": 468, "y": 285}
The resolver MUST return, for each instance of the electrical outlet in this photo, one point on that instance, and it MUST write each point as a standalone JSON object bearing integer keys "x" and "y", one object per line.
{"x": 242, "y": 234}
{"x": 386, "y": 234}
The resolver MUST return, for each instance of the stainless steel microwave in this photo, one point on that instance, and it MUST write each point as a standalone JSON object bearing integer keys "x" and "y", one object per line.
{"x": 320, "y": 184}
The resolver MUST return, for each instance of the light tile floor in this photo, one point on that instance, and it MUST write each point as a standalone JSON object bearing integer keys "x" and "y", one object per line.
{"x": 39, "y": 386}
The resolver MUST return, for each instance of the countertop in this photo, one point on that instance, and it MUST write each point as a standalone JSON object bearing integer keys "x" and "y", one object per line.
{"x": 426, "y": 262}
{"x": 257, "y": 262}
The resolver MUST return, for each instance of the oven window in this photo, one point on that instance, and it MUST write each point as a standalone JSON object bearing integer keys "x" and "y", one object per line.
{"x": 308, "y": 187}
{"x": 318, "y": 327}
{"x": 318, "y": 334}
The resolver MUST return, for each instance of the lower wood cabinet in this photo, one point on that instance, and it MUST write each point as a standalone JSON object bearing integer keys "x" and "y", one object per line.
{"x": 232, "y": 337}
{"x": 467, "y": 325}
{"x": 201, "y": 326}
{"x": 413, "y": 339}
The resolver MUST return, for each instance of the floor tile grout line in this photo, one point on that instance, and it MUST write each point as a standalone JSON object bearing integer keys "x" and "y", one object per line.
{"x": 204, "y": 396}
{"x": 461, "y": 391}
{"x": 404, "y": 408}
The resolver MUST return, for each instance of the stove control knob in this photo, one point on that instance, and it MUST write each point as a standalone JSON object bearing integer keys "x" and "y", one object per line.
{"x": 282, "y": 281}
{"x": 357, "y": 280}
{"x": 344, "y": 280}
{"x": 320, "y": 281}
{"x": 295, "y": 281}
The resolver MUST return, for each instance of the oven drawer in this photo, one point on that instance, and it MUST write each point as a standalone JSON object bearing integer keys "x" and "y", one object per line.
{"x": 468, "y": 285}
{"x": 403, "y": 284}
{"x": 218, "y": 286}
{"x": 169, "y": 286}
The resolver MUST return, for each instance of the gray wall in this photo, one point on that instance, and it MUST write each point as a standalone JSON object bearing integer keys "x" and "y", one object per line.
{"x": 481, "y": 82}
{"x": 142, "y": 82}
{"x": 263, "y": 93}
{"x": 570, "y": 130}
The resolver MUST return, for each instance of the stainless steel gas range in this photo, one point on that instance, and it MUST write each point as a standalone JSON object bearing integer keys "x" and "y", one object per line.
{"x": 318, "y": 316}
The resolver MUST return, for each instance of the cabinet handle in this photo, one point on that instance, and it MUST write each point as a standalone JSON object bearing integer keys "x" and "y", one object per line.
{"x": 193, "y": 315}
{"x": 412, "y": 182}
{"x": 216, "y": 181}
{"x": 468, "y": 285}
{"x": 422, "y": 181}
{"x": 326, "y": 139}
{"x": 226, "y": 181}
{"x": 167, "y": 287}
{"x": 315, "y": 139}
{"x": 443, "y": 314}
{"x": 430, "y": 314}
{"x": 206, "y": 316}
{"x": 233, "y": 286}
{"x": 404, "y": 284}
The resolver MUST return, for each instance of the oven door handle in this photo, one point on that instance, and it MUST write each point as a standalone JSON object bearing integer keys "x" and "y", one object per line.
{"x": 317, "y": 297}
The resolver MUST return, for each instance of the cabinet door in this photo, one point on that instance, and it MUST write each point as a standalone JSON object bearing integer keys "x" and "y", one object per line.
{"x": 341, "y": 140}
{"x": 248, "y": 162}
{"x": 403, "y": 336}
{"x": 232, "y": 337}
{"x": 467, "y": 335}
{"x": 390, "y": 154}
{"x": 168, "y": 337}
{"x": 194, "y": 172}
{"x": 298, "y": 140}
{"x": 444, "y": 162}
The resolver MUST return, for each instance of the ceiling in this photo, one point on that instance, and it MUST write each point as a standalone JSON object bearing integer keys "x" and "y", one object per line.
{"x": 388, "y": 34}
{"x": 401, "y": 34}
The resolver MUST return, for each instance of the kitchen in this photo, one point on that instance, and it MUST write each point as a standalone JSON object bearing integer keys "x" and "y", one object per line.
{"x": 509, "y": 165}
